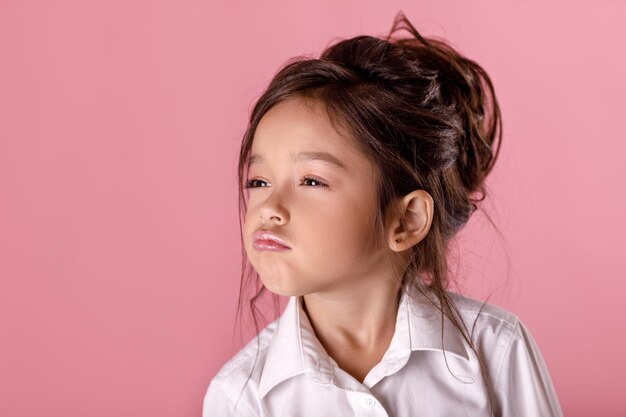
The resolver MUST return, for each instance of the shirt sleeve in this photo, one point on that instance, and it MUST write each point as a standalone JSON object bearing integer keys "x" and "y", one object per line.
{"x": 220, "y": 401}
{"x": 523, "y": 385}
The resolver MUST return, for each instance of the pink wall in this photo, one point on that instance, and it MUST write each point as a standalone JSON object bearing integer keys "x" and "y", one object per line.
{"x": 119, "y": 129}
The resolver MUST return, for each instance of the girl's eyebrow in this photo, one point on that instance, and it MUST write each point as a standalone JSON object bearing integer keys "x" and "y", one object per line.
{"x": 306, "y": 156}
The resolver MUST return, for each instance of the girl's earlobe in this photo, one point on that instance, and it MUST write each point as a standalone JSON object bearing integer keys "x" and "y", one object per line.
{"x": 396, "y": 247}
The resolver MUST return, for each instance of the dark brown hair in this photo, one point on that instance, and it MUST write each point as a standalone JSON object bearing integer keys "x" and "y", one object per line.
{"x": 425, "y": 115}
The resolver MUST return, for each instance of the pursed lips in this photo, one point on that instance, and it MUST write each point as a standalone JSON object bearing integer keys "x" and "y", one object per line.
{"x": 259, "y": 237}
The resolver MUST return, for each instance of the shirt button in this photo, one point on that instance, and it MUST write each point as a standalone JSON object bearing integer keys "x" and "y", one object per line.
{"x": 369, "y": 401}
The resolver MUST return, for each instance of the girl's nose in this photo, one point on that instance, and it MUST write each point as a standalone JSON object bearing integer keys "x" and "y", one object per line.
{"x": 272, "y": 218}
{"x": 273, "y": 210}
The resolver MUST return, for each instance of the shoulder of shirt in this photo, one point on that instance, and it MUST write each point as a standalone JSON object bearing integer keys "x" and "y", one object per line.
{"x": 492, "y": 328}
{"x": 248, "y": 361}
{"x": 486, "y": 318}
{"x": 501, "y": 334}
{"x": 238, "y": 379}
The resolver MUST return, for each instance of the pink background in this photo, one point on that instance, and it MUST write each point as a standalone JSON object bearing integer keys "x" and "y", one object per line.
{"x": 120, "y": 123}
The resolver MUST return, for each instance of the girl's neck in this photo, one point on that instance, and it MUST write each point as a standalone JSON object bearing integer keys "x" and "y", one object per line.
{"x": 361, "y": 321}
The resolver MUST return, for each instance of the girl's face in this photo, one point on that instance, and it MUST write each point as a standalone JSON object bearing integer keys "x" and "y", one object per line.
{"x": 323, "y": 210}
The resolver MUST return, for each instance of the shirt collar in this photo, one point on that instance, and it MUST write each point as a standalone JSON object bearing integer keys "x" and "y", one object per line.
{"x": 295, "y": 349}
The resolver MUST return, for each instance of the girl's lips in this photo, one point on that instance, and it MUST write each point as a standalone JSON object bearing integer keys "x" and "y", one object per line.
{"x": 264, "y": 240}
{"x": 269, "y": 245}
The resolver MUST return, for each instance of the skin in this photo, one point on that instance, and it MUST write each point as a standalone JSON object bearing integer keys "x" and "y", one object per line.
{"x": 349, "y": 287}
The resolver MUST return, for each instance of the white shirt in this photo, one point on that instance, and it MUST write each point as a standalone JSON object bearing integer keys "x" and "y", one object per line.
{"x": 294, "y": 376}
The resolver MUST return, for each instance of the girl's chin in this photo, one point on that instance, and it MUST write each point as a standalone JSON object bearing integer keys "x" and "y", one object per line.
{"x": 281, "y": 292}
{"x": 280, "y": 288}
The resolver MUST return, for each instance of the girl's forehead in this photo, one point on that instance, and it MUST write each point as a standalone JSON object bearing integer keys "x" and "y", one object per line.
{"x": 298, "y": 128}
{"x": 293, "y": 120}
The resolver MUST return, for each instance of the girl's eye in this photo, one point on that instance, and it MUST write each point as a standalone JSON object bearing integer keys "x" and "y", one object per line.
{"x": 251, "y": 183}
{"x": 320, "y": 183}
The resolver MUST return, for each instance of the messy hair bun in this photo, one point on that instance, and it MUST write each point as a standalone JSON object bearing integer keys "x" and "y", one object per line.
{"x": 440, "y": 106}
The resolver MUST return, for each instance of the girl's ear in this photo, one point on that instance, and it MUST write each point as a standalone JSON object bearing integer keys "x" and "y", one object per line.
{"x": 416, "y": 208}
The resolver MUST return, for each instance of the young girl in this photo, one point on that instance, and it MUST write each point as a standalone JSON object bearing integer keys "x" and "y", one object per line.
{"x": 357, "y": 169}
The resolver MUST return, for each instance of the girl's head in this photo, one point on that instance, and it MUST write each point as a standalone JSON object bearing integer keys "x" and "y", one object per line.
{"x": 417, "y": 128}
